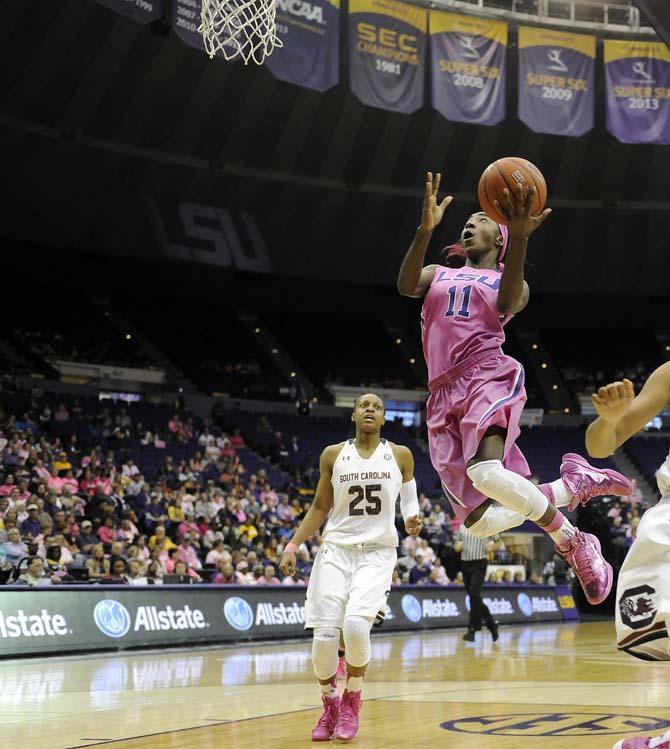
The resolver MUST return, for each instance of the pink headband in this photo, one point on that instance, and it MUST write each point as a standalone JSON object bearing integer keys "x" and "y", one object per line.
{"x": 504, "y": 232}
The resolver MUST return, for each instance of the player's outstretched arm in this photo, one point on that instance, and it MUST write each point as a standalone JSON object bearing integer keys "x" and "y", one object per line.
{"x": 409, "y": 500}
{"x": 413, "y": 279}
{"x": 514, "y": 292}
{"x": 621, "y": 414}
{"x": 317, "y": 513}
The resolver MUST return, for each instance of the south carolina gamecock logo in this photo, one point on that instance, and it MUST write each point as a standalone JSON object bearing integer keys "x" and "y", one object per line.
{"x": 637, "y": 607}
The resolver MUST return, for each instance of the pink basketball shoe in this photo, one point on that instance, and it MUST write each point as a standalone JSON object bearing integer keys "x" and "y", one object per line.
{"x": 586, "y": 481}
{"x": 347, "y": 725}
{"x": 324, "y": 730}
{"x": 583, "y": 554}
{"x": 645, "y": 742}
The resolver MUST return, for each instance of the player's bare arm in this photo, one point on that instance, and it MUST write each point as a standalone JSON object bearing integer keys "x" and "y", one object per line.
{"x": 413, "y": 279}
{"x": 405, "y": 461}
{"x": 621, "y": 414}
{"x": 318, "y": 512}
{"x": 514, "y": 292}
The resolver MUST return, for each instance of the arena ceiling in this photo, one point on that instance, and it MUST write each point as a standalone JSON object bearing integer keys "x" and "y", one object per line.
{"x": 107, "y": 126}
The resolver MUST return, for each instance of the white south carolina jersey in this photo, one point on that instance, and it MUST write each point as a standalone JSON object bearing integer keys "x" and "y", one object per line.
{"x": 365, "y": 491}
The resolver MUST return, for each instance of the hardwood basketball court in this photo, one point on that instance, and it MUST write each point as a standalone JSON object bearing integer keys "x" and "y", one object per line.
{"x": 544, "y": 686}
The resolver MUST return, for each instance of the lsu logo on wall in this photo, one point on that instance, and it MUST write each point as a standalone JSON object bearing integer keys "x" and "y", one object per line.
{"x": 559, "y": 724}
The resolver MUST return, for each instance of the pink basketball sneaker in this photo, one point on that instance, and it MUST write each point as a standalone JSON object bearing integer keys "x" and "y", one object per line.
{"x": 324, "y": 730}
{"x": 586, "y": 481}
{"x": 347, "y": 725}
{"x": 584, "y": 556}
{"x": 645, "y": 742}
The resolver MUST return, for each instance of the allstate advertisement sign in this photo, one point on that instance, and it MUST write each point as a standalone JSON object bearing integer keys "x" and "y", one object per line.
{"x": 75, "y": 618}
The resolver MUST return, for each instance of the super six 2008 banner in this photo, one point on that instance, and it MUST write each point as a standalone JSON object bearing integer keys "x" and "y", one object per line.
{"x": 387, "y": 41}
{"x": 556, "y": 86}
{"x": 95, "y": 618}
{"x": 468, "y": 67}
{"x": 638, "y": 91}
{"x": 142, "y": 11}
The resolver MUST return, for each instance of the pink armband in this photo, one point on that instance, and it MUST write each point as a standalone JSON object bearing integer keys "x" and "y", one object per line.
{"x": 290, "y": 548}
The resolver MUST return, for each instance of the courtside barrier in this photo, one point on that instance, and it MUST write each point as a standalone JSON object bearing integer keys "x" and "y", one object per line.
{"x": 69, "y": 618}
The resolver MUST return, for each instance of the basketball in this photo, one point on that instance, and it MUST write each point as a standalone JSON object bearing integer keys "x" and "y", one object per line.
{"x": 509, "y": 172}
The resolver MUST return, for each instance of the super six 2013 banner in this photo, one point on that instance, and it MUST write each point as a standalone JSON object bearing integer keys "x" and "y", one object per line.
{"x": 556, "y": 81}
{"x": 387, "y": 42}
{"x": 468, "y": 67}
{"x": 310, "y": 31}
{"x": 638, "y": 91}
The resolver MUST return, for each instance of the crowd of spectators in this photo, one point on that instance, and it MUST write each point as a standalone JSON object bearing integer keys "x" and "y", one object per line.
{"x": 582, "y": 379}
{"x": 80, "y": 508}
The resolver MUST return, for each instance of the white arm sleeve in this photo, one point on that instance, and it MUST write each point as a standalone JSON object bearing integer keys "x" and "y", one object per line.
{"x": 409, "y": 501}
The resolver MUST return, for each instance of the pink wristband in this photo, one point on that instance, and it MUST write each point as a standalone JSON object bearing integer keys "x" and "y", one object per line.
{"x": 290, "y": 548}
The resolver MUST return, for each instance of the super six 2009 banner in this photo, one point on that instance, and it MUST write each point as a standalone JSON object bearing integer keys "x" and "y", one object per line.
{"x": 69, "y": 619}
{"x": 556, "y": 86}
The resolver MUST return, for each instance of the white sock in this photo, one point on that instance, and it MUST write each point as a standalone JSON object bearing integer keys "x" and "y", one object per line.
{"x": 330, "y": 689}
{"x": 354, "y": 683}
{"x": 564, "y": 533}
{"x": 562, "y": 494}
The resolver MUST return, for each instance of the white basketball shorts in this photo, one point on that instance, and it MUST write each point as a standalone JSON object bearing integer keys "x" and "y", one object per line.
{"x": 643, "y": 591}
{"x": 347, "y": 581}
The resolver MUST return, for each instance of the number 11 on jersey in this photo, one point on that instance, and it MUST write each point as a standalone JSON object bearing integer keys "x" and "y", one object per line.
{"x": 464, "y": 310}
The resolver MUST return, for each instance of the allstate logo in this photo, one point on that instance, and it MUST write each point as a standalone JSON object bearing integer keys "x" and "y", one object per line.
{"x": 525, "y": 604}
{"x": 467, "y": 602}
{"x": 238, "y": 613}
{"x": 111, "y": 618}
{"x": 411, "y": 608}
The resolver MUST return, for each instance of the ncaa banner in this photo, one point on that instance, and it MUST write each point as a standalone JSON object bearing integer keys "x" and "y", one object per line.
{"x": 468, "y": 67}
{"x": 556, "y": 81}
{"x": 310, "y": 31}
{"x": 387, "y": 42}
{"x": 637, "y": 75}
{"x": 142, "y": 11}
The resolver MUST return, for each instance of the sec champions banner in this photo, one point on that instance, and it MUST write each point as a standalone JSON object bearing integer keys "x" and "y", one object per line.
{"x": 468, "y": 67}
{"x": 387, "y": 41}
{"x": 638, "y": 91}
{"x": 142, "y": 11}
{"x": 310, "y": 31}
{"x": 556, "y": 81}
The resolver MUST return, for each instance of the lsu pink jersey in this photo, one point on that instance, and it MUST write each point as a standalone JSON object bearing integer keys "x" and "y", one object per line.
{"x": 459, "y": 317}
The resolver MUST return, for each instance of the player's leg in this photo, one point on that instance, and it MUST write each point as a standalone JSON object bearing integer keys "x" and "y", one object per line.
{"x": 492, "y": 479}
{"x": 370, "y": 585}
{"x": 325, "y": 606}
{"x": 477, "y": 584}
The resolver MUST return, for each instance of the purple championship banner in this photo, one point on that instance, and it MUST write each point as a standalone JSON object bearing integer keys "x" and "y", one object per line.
{"x": 556, "y": 81}
{"x": 387, "y": 42}
{"x": 310, "y": 31}
{"x": 142, "y": 11}
{"x": 638, "y": 91}
{"x": 468, "y": 67}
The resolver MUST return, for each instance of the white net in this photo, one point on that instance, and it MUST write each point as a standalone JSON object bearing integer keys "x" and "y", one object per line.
{"x": 239, "y": 28}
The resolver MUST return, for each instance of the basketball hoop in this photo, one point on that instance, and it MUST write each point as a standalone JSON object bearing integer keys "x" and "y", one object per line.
{"x": 239, "y": 28}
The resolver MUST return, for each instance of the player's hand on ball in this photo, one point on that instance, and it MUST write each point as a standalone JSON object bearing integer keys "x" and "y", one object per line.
{"x": 414, "y": 524}
{"x": 287, "y": 563}
{"x": 611, "y": 401}
{"x": 432, "y": 210}
{"x": 516, "y": 207}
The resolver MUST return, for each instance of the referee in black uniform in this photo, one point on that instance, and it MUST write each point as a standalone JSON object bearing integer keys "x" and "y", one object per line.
{"x": 474, "y": 558}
